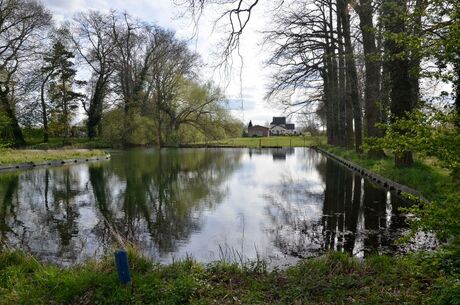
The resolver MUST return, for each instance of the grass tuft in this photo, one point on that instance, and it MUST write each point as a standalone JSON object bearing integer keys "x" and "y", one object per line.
{"x": 332, "y": 279}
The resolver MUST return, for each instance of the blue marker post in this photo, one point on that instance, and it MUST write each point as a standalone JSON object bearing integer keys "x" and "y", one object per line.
{"x": 121, "y": 262}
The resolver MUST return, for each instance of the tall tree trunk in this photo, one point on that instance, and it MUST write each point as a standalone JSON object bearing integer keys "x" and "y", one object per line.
{"x": 95, "y": 109}
{"x": 415, "y": 61}
{"x": 385, "y": 85}
{"x": 333, "y": 78}
{"x": 372, "y": 76}
{"x": 349, "y": 120}
{"x": 352, "y": 80}
{"x": 342, "y": 96}
{"x": 333, "y": 101}
{"x": 65, "y": 112}
{"x": 5, "y": 107}
{"x": 44, "y": 111}
{"x": 159, "y": 127}
{"x": 457, "y": 92}
{"x": 399, "y": 65}
{"x": 329, "y": 105}
{"x": 327, "y": 80}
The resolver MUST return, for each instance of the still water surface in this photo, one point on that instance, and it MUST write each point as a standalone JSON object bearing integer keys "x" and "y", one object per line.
{"x": 279, "y": 204}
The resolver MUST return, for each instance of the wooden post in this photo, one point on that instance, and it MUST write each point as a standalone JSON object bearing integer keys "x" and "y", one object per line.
{"x": 121, "y": 263}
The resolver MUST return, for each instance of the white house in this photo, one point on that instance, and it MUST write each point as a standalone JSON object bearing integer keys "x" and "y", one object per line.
{"x": 279, "y": 127}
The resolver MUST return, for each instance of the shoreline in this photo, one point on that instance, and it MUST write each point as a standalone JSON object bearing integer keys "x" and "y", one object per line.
{"x": 334, "y": 278}
{"x": 15, "y": 159}
{"x": 380, "y": 180}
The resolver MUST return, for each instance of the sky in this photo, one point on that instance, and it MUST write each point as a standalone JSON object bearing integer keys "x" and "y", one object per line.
{"x": 244, "y": 88}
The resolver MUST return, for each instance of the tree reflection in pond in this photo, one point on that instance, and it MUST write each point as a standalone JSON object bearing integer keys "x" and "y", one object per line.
{"x": 279, "y": 204}
{"x": 8, "y": 187}
{"x": 356, "y": 216}
{"x": 154, "y": 200}
{"x": 162, "y": 195}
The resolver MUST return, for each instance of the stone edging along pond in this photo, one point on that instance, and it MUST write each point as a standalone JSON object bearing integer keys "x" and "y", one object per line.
{"x": 375, "y": 178}
{"x": 30, "y": 165}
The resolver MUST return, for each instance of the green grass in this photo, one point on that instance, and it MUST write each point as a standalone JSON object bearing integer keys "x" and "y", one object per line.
{"x": 284, "y": 141}
{"x": 332, "y": 279}
{"x": 432, "y": 182}
{"x": 14, "y": 156}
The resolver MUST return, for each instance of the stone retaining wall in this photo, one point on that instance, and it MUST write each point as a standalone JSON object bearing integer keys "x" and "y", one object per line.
{"x": 375, "y": 178}
{"x": 30, "y": 165}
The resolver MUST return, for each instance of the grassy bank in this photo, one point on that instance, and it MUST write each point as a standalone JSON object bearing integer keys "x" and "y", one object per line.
{"x": 284, "y": 141}
{"x": 14, "y": 156}
{"x": 333, "y": 279}
{"x": 55, "y": 143}
{"x": 431, "y": 181}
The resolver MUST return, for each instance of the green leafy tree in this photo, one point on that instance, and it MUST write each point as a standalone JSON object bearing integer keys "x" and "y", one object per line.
{"x": 62, "y": 73}
{"x": 5, "y": 132}
{"x": 431, "y": 134}
{"x": 441, "y": 43}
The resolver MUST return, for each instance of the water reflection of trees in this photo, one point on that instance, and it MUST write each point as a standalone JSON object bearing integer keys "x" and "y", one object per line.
{"x": 355, "y": 216}
{"x": 8, "y": 187}
{"x": 44, "y": 213}
{"x": 295, "y": 207}
{"x": 154, "y": 199}
{"x": 164, "y": 194}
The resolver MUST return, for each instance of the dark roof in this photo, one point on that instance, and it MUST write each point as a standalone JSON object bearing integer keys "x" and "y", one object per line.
{"x": 279, "y": 120}
{"x": 258, "y": 127}
{"x": 290, "y": 126}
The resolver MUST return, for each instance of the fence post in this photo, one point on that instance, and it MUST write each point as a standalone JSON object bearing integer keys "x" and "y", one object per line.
{"x": 121, "y": 262}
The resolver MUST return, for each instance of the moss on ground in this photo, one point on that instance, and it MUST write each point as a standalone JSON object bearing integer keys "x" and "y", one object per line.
{"x": 332, "y": 279}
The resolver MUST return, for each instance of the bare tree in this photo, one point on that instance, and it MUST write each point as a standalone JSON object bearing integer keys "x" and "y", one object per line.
{"x": 133, "y": 51}
{"x": 314, "y": 58}
{"x": 299, "y": 58}
{"x": 21, "y": 22}
{"x": 172, "y": 62}
{"x": 237, "y": 13}
{"x": 352, "y": 80}
{"x": 92, "y": 36}
{"x": 313, "y": 53}
{"x": 372, "y": 73}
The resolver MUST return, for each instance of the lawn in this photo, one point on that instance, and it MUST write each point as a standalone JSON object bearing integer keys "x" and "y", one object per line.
{"x": 14, "y": 156}
{"x": 433, "y": 182}
{"x": 284, "y": 141}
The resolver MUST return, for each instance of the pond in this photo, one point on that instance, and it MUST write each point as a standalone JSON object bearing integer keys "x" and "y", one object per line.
{"x": 210, "y": 204}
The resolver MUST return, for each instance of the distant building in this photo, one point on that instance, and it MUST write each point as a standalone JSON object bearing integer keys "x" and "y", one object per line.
{"x": 279, "y": 127}
{"x": 258, "y": 131}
